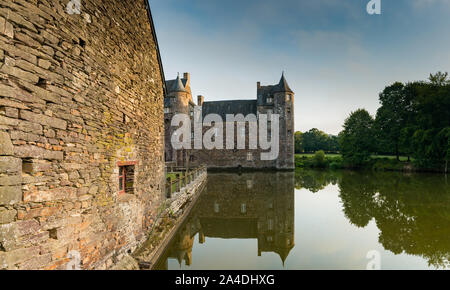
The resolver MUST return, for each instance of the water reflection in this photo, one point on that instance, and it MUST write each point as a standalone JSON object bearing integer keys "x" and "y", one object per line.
{"x": 248, "y": 206}
{"x": 410, "y": 214}
{"x": 412, "y": 211}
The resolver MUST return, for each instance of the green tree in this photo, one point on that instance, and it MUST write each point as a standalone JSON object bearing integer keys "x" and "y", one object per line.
{"x": 298, "y": 145}
{"x": 392, "y": 118}
{"x": 357, "y": 138}
{"x": 431, "y": 125}
{"x": 439, "y": 79}
{"x": 315, "y": 140}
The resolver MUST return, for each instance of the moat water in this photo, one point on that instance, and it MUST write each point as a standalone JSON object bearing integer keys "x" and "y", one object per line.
{"x": 316, "y": 220}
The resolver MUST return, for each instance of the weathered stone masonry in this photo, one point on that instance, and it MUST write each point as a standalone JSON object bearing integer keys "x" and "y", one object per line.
{"x": 80, "y": 95}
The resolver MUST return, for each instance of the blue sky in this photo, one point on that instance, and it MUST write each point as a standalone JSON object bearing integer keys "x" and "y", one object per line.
{"x": 336, "y": 57}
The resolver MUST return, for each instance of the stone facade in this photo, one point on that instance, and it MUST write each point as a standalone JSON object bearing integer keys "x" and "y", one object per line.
{"x": 274, "y": 99}
{"x": 81, "y": 98}
{"x": 178, "y": 101}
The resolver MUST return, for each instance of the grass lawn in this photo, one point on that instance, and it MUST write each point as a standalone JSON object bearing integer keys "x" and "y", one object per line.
{"x": 173, "y": 176}
{"x": 311, "y": 155}
{"x": 402, "y": 158}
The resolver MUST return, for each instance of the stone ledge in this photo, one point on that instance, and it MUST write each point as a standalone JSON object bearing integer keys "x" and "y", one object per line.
{"x": 177, "y": 210}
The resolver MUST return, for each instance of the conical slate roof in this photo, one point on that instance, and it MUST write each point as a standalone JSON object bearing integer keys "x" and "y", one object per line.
{"x": 283, "y": 86}
{"x": 178, "y": 86}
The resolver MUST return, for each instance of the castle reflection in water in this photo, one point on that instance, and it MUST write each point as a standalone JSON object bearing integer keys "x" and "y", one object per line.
{"x": 252, "y": 206}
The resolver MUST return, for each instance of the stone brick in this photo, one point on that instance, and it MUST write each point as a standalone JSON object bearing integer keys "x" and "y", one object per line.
{"x": 12, "y": 234}
{"x": 10, "y": 165}
{"x": 10, "y": 195}
{"x": 44, "y": 63}
{"x": 15, "y": 51}
{"x": 12, "y": 112}
{"x": 50, "y": 195}
{"x": 6, "y": 147}
{"x": 21, "y": 255}
{"x": 8, "y": 121}
{"x": 7, "y": 215}
{"x": 9, "y": 180}
{"x": 38, "y": 262}
{"x": 30, "y": 151}
{"x": 9, "y": 103}
{"x": 19, "y": 73}
{"x": 43, "y": 120}
{"x": 2, "y": 25}
{"x": 9, "y": 30}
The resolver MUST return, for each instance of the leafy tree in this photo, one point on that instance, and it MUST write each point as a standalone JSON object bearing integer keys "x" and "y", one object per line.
{"x": 439, "y": 79}
{"x": 390, "y": 119}
{"x": 315, "y": 140}
{"x": 357, "y": 138}
{"x": 431, "y": 122}
{"x": 298, "y": 145}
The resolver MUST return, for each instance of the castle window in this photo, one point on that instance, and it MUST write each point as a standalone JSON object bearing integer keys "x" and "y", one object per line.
{"x": 270, "y": 224}
{"x": 166, "y": 110}
{"x": 288, "y": 98}
{"x": 243, "y": 208}
{"x": 269, "y": 100}
{"x": 126, "y": 177}
{"x": 249, "y": 156}
{"x": 216, "y": 207}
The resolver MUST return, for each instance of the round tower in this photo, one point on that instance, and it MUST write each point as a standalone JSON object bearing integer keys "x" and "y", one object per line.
{"x": 180, "y": 97}
{"x": 284, "y": 106}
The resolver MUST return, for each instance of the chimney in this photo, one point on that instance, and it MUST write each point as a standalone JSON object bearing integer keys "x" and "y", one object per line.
{"x": 187, "y": 77}
{"x": 200, "y": 101}
{"x": 258, "y": 85}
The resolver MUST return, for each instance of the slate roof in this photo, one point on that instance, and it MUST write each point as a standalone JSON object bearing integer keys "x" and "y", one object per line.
{"x": 233, "y": 107}
{"x": 268, "y": 91}
{"x": 166, "y": 102}
{"x": 177, "y": 85}
{"x": 283, "y": 85}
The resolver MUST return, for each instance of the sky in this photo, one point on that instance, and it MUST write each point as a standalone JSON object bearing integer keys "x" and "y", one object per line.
{"x": 336, "y": 57}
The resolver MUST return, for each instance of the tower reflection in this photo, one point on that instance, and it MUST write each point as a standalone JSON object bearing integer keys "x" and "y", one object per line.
{"x": 258, "y": 205}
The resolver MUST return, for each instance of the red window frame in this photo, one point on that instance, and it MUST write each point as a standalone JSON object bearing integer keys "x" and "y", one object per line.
{"x": 123, "y": 174}
{"x": 122, "y": 178}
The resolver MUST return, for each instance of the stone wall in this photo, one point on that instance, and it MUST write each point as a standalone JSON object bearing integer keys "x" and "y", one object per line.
{"x": 79, "y": 93}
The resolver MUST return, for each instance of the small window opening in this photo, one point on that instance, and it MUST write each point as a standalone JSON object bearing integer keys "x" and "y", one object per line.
{"x": 126, "y": 179}
{"x": 243, "y": 208}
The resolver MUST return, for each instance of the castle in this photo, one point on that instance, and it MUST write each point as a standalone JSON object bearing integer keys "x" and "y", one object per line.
{"x": 272, "y": 99}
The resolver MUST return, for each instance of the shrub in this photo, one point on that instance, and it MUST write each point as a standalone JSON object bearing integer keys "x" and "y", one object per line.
{"x": 319, "y": 159}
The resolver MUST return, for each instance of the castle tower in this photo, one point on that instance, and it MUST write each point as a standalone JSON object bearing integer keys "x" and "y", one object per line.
{"x": 181, "y": 97}
{"x": 284, "y": 106}
{"x": 178, "y": 101}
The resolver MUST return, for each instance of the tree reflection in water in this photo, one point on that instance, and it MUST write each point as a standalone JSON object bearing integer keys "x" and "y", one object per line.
{"x": 411, "y": 211}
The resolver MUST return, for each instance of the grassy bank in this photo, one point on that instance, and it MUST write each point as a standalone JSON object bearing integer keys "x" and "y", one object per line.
{"x": 335, "y": 161}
